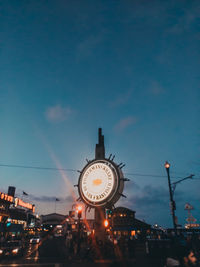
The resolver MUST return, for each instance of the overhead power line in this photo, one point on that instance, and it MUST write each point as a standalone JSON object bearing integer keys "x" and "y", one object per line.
{"x": 36, "y": 167}
{"x": 73, "y": 170}
{"x": 63, "y": 169}
{"x": 157, "y": 176}
{"x": 150, "y": 175}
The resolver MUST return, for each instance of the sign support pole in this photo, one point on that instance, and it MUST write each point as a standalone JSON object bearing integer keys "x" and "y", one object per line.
{"x": 99, "y": 213}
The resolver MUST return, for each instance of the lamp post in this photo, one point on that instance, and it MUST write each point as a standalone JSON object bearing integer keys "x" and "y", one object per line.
{"x": 79, "y": 211}
{"x": 172, "y": 202}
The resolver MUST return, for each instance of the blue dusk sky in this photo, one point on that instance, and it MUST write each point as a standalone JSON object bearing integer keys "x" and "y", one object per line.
{"x": 130, "y": 67}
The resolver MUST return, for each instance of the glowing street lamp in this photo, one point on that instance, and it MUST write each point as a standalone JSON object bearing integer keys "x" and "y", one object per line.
{"x": 106, "y": 223}
{"x": 167, "y": 165}
{"x": 79, "y": 210}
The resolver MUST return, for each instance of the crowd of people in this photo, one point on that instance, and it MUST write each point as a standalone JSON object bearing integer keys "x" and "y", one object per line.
{"x": 184, "y": 251}
{"x": 181, "y": 250}
{"x": 90, "y": 247}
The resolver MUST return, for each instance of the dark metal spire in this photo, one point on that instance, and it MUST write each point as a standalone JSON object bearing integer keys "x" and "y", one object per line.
{"x": 100, "y": 148}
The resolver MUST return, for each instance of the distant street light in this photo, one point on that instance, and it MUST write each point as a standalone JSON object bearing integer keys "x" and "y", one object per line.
{"x": 172, "y": 202}
{"x": 79, "y": 211}
{"x": 106, "y": 223}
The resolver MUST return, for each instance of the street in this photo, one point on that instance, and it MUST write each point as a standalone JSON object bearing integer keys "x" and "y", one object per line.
{"x": 53, "y": 252}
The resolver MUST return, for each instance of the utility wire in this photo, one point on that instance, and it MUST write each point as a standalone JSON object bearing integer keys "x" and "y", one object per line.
{"x": 157, "y": 176}
{"x": 139, "y": 174}
{"x": 152, "y": 175}
{"x": 36, "y": 167}
{"x": 63, "y": 169}
{"x": 73, "y": 170}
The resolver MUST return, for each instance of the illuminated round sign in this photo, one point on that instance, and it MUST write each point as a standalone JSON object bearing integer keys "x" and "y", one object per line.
{"x": 100, "y": 183}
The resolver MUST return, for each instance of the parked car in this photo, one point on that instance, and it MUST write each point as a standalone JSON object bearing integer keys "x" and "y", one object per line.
{"x": 11, "y": 248}
{"x": 35, "y": 240}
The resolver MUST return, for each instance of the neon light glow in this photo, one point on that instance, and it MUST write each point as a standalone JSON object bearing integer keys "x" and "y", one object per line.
{"x": 6, "y": 197}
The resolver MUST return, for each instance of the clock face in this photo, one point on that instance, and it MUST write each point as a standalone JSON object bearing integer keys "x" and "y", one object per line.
{"x": 98, "y": 182}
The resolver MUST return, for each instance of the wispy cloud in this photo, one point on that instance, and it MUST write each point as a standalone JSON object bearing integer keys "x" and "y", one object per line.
{"x": 152, "y": 199}
{"x": 58, "y": 113}
{"x": 121, "y": 99}
{"x": 86, "y": 47}
{"x": 50, "y": 198}
{"x": 124, "y": 123}
{"x": 152, "y": 196}
{"x": 148, "y": 197}
{"x": 156, "y": 88}
{"x": 148, "y": 200}
{"x": 186, "y": 21}
{"x": 133, "y": 186}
